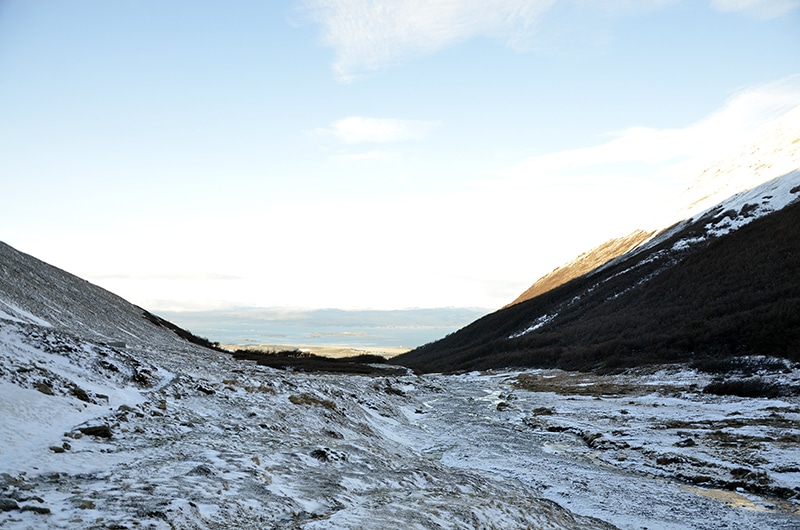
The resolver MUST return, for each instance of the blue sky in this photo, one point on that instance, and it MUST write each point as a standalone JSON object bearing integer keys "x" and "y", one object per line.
{"x": 362, "y": 154}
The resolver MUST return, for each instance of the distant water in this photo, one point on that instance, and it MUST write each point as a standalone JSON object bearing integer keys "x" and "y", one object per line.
{"x": 406, "y": 328}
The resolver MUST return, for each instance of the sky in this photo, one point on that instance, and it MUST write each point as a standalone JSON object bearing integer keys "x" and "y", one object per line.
{"x": 199, "y": 155}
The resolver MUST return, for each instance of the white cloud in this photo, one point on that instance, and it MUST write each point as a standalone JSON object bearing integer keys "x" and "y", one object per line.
{"x": 706, "y": 139}
{"x": 367, "y": 35}
{"x": 757, "y": 8}
{"x": 368, "y": 155}
{"x": 358, "y": 129}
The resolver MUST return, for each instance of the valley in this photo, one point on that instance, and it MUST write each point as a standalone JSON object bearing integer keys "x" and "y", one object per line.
{"x": 660, "y": 389}
{"x": 198, "y": 440}
{"x": 400, "y": 265}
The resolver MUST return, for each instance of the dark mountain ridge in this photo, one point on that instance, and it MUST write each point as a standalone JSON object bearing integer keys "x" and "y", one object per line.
{"x": 706, "y": 287}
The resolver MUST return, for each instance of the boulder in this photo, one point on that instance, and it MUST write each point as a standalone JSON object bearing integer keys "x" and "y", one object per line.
{"x": 101, "y": 431}
{"x": 6, "y": 504}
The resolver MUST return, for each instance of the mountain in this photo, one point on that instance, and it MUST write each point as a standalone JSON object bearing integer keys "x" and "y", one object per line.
{"x": 721, "y": 282}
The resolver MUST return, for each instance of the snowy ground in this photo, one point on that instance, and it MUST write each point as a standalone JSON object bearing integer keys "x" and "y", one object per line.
{"x": 191, "y": 439}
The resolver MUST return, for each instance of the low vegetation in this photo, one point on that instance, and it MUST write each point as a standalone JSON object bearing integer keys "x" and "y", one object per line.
{"x": 754, "y": 387}
{"x": 184, "y": 334}
{"x": 302, "y": 361}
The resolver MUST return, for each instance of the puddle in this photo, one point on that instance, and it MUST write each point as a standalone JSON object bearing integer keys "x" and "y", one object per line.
{"x": 735, "y": 500}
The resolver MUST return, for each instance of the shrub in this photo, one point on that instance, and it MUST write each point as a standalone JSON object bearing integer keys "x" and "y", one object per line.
{"x": 746, "y": 365}
{"x": 751, "y": 388}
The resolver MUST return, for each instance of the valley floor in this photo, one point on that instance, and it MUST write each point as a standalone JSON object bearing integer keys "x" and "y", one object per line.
{"x": 206, "y": 442}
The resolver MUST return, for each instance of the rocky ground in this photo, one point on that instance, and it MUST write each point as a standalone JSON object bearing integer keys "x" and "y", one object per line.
{"x": 100, "y": 436}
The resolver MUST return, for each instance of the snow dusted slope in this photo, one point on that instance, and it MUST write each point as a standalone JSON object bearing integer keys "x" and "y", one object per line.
{"x": 37, "y": 293}
{"x": 755, "y": 180}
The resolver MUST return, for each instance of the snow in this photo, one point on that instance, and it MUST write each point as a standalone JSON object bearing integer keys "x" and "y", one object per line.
{"x": 20, "y": 315}
{"x": 444, "y": 451}
{"x": 538, "y": 323}
{"x": 773, "y": 153}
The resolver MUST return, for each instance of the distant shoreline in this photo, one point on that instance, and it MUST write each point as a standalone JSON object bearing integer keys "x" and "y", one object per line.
{"x": 329, "y": 332}
{"x": 327, "y": 351}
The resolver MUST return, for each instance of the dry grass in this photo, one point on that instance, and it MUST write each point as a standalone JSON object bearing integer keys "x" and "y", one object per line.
{"x": 584, "y": 384}
{"x": 308, "y": 399}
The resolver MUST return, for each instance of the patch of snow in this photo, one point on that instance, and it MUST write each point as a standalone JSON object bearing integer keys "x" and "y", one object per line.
{"x": 538, "y": 323}
{"x": 20, "y": 315}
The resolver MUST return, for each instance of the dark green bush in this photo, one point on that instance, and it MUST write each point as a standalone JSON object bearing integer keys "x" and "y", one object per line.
{"x": 749, "y": 388}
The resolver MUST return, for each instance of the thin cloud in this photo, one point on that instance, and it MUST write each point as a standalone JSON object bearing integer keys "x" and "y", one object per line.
{"x": 643, "y": 176}
{"x": 701, "y": 141}
{"x": 368, "y": 155}
{"x": 358, "y": 129}
{"x": 367, "y": 35}
{"x": 764, "y": 9}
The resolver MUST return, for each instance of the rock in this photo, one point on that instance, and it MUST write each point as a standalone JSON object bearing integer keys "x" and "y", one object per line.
{"x": 101, "y": 431}
{"x": 44, "y": 510}
{"x": 86, "y": 504}
{"x": 6, "y": 504}
{"x": 591, "y": 438}
{"x": 688, "y": 442}
{"x": 45, "y": 388}
{"x": 57, "y": 449}
{"x": 201, "y": 470}
{"x": 81, "y": 394}
{"x": 320, "y": 454}
{"x": 206, "y": 391}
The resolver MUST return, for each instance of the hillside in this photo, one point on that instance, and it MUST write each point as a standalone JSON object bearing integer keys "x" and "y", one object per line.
{"x": 584, "y": 263}
{"x": 74, "y": 304}
{"x": 723, "y": 283}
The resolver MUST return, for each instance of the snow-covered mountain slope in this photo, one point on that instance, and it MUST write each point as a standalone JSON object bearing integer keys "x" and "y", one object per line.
{"x": 162, "y": 433}
{"x": 723, "y": 282}
{"x": 37, "y": 293}
{"x": 771, "y": 153}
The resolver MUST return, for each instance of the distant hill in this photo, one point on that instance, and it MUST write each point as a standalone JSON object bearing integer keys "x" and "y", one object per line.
{"x": 719, "y": 284}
